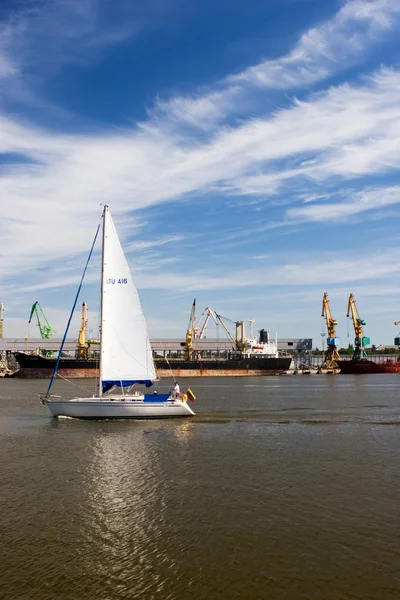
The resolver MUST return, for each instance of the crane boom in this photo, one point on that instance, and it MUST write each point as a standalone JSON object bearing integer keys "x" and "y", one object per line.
{"x": 199, "y": 333}
{"x": 326, "y": 312}
{"x": 196, "y": 330}
{"x": 331, "y": 354}
{"x": 360, "y": 341}
{"x": 44, "y": 327}
{"x": 219, "y": 317}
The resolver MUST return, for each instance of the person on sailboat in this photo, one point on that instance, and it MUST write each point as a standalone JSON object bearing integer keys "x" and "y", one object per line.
{"x": 176, "y": 391}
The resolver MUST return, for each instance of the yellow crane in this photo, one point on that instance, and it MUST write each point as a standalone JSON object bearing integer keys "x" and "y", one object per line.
{"x": 82, "y": 349}
{"x": 239, "y": 339}
{"x": 196, "y": 330}
{"x": 190, "y": 333}
{"x": 333, "y": 342}
{"x": 360, "y": 341}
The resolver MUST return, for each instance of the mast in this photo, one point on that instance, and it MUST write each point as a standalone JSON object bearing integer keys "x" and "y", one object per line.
{"x": 101, "y": 303}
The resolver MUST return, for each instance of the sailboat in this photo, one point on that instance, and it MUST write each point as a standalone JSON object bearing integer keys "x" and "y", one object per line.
{"x": 125, "y": 354}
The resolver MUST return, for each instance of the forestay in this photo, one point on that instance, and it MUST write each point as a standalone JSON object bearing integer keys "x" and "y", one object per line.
{"x": 126, "y": 355}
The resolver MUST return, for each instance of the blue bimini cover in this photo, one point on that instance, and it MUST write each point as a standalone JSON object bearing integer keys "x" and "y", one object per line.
{"x": 156, "y": 397}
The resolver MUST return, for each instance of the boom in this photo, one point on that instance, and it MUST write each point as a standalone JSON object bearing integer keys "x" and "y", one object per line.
{"x": 239, "y": 329}
{"x": 44, "y": 327}
{"x": 196, "y": 330}
{"x": 360, "y": 341}
{"x": 333, "y": 342}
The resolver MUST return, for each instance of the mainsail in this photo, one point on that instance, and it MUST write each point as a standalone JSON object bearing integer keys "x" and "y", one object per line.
{"x": 126, "y": 355}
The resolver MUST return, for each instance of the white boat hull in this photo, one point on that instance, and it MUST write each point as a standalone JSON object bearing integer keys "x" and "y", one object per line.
{"x": 97, "y": 408}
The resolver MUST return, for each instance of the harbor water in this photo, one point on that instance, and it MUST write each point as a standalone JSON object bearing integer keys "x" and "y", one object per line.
{"x": 280, "y": 488}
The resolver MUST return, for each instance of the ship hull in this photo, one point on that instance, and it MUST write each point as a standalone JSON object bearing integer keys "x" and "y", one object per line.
{"x": 360, "y": 367}
{"x": 39, "y": 367}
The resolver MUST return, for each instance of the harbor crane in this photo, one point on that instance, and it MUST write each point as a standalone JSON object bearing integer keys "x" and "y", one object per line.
{"x": 82, "y": 349}
{"x": 397, "y": 338}
{"x": 196, "y": 330}
{"x": 190, "y": 332}
{"x": 239, "y": 339}
{"x": 44, "y": 327}
{"x": 199, "y": 331}
{"x": 331, "y": 354}
{"x": 360, "y": 341}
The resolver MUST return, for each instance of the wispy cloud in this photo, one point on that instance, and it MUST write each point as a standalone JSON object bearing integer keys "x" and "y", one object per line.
{"x": 360, "y": 202}
{"x": 47, "y": 34}
{"x": 326, "y": 49}
{"x": 145, "y": 166}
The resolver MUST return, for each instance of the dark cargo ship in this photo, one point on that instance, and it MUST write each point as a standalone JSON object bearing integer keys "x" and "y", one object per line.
{"x": 360, "y": 363}
{"x": 33, "y": 366}
{"x": 365, "y": 366}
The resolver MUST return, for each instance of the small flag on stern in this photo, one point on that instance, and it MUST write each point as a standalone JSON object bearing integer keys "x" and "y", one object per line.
{"x": 190, "y": 395}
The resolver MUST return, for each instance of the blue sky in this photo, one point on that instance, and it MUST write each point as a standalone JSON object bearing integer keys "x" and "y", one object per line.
{"x": 249, "y": 152}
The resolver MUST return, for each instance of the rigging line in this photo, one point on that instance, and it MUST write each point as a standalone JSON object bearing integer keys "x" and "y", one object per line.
{"x": 72, "y": 312}
{"x": 72, "y": 383}
{"x": 172, "y": 373}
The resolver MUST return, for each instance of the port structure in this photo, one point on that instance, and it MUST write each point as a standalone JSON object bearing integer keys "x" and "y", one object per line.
{"x": 190, "y": 332}
{"x": 82, "y": 349}
{"x": 360, "y": 341}
{"x": 331, "y": 354}
{"x": 44, "y": 327}
{"x": 397, "y": 338}
{"x": 196, "y": 330}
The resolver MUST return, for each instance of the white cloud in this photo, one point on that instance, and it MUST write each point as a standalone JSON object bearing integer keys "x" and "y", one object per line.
{"x": 325, "y": 49}
{"x": 46, "y": 34}
{"x": 330, "y": 47}
{"x": 57, "y": 195}
{"x": 360, "y": 202}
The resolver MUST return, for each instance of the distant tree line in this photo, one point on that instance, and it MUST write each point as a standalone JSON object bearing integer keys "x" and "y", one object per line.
{"x": 350, "y": 349}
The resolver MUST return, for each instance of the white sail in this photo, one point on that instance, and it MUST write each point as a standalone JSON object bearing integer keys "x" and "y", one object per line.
{"x": 126, "y": 354}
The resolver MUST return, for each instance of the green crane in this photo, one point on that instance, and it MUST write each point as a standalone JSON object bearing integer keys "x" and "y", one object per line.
{"x": 44, "y": 327}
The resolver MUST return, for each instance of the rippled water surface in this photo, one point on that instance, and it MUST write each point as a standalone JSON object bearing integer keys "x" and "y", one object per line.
{"x": 280, "y": 487}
